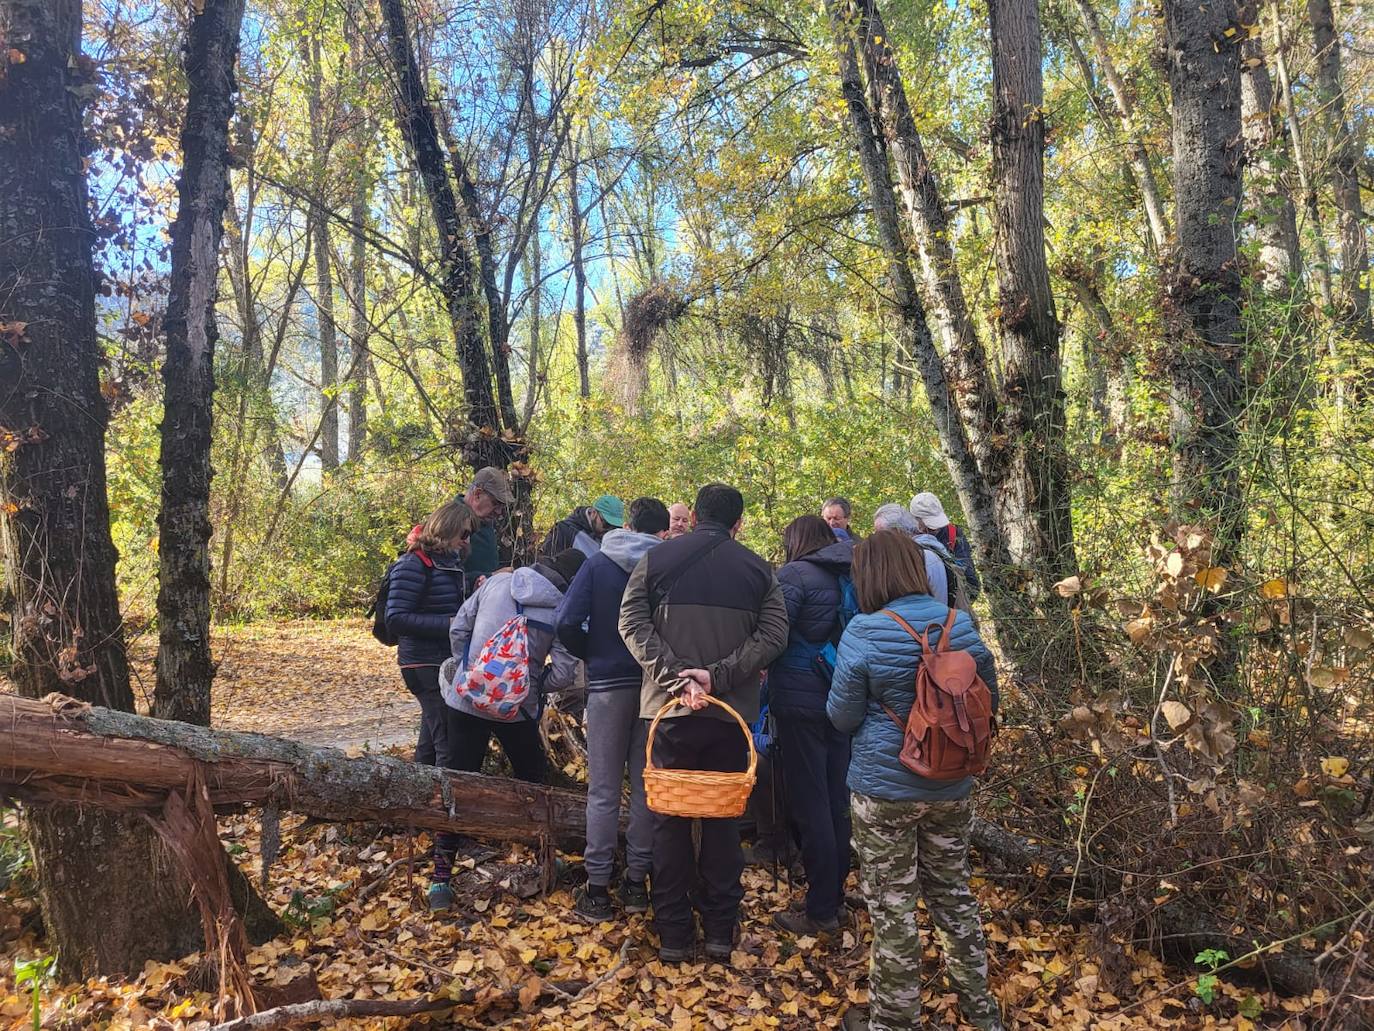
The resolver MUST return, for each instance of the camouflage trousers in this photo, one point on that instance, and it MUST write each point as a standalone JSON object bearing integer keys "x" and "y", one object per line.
{"x": 908, "y": 850}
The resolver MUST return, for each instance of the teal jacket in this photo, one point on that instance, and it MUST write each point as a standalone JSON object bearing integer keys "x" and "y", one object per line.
{"x": 876, "y": 667}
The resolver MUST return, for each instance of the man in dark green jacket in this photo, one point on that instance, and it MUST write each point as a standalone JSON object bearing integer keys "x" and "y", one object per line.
{"x": 702, "y": 615}
{"x": 488, "y": 496}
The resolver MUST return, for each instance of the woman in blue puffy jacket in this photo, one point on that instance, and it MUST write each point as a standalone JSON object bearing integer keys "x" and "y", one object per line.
{"x": 912, "y": 833}
{"x": 812, "y": 756}
{"x": 424, "y": 593}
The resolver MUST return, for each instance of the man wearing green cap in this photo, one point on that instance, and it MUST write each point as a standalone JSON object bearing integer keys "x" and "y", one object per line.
{"x": 584, "y": 527}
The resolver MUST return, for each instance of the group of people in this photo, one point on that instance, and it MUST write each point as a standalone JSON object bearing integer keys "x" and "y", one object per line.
{"x": 650, "y": 603}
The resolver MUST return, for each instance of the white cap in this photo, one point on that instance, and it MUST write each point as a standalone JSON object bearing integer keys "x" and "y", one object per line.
{"x": 927, "y": 508}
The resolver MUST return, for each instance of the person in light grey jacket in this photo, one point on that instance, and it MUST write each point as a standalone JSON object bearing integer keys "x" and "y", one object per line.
{"x": 536, "y": 591}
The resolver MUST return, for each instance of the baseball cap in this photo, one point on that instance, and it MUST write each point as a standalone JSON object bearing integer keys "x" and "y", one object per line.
{"x": 612, "y": 509}
{"x": 494, "y": 482}
{"x": 927, "y": 508}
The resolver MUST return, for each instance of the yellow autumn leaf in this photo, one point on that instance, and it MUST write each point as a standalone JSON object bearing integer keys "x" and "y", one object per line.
{"x": 1211, "y": 579}
{"x": 1335, "y": 765}
{"x": 1272, "y": 589}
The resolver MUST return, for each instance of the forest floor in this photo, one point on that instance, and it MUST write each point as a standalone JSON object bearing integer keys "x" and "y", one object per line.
{"x": 358, "y": 927}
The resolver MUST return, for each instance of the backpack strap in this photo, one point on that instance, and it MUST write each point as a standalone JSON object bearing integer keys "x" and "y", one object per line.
{"x": 666, "y": 583}
{"x": 952, "y": 532}
{"x": 902, "y": 623}
{"x": 943, "y": 644}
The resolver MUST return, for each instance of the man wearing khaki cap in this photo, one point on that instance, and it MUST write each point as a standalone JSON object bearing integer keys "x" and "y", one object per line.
{"x": 488, "y": 497}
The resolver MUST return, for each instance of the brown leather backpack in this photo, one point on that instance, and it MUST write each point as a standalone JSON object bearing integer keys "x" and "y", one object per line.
{"x": 950, "y": 728}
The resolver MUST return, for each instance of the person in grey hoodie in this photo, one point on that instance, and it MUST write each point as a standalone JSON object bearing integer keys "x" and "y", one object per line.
{"x": 947, "y": 584}
{"x": 587, "y": 624}
{"x": 536, "y": 592}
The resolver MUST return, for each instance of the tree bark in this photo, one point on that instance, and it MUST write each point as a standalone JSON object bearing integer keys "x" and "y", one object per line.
{"x": 1108, "y": 350}
{"x": 184, "y": 666}
{"x": 1202, "y": 305}
{"x": 364, "y": 133}
{"x": 973, "y": 387}
{"x": 94, "y": 870}
{"x": 975, "y": 496}
{"x": 483, "y": 445}
{"x": 1036, "y": 494}
{"x": 320, "y": 145}
{"x": 1345, "y": 156}
{"x": 1301, "y": 162}
{"x": 577, "y": 232}
{"x": 1276, "y": 221}
{"x": 359, "y": 328}
{"x": 1136, "y": 153}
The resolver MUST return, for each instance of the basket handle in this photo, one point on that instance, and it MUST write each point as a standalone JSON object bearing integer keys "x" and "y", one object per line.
{"x": 744, "y": 727}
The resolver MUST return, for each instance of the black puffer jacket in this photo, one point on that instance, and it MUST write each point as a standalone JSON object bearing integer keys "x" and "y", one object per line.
{"x": 418, "y": 617}
{"x": 811, "y": 588}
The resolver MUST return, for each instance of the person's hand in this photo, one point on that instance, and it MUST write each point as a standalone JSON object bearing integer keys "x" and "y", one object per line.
{"x": 696, "y": 686}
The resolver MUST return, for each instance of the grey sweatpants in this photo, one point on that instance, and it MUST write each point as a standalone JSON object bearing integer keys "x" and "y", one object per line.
{"x": 615, "y": 739}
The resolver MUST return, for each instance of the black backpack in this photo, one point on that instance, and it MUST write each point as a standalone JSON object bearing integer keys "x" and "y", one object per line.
{"x": 377, "y": 610}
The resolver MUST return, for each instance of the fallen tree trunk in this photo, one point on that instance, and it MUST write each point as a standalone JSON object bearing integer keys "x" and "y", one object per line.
{"x": 60, "y": 750}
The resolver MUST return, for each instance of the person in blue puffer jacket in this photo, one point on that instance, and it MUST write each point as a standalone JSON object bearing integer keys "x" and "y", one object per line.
{"x": 813, "y": 757}
{"x": 898, "y": 815}
{"x": 425, "y": 589}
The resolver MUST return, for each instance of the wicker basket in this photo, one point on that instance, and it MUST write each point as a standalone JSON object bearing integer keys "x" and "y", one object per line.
{"x": 698, "y": 792}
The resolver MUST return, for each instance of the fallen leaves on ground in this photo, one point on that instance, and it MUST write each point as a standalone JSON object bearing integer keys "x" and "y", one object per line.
{"x": 510, "y": 958}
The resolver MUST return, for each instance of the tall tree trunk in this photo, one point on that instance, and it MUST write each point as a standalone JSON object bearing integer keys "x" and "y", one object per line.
{"x": 975, "y": 497}
{"x": 1345, "y": 157}
{"x": 421, "y": 133}
{"x": 359, "y": 329}
{"x": 1035, "y": 498}
{"x": 1202, "y": 305}
{"x": 364, "y": 133}
{"x": 1136, "y": 153}
{"x": 1276, "y": 220}
{"x": 1302, "y": 163}
{"x": 184, "y": 666}
{"x": 534, "y": 268}
{"x": 320, "y": 144}
{"x": 974, "y": 390}
{"x": 98, "y": 873}
{"x": 1107, "y": 350}
{"x": 577, "y": 232}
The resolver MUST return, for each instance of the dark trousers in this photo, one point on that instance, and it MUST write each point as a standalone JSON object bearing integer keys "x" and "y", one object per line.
{"x": 423, "y": 683}
{"x": 697, "y": 743}
{"x": 469, "y": 735}
{"x": 771, "y": 833}
{"x": 466, "y": 743}
{"x": 814, "y": 761}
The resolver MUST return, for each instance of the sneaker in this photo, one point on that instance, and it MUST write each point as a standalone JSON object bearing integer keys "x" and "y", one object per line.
{"x": 719, "y": 949}
{"x": 674, "y": 953}
{"x": 439, "y": 897}
{"x": 634, "y": 896}
{"x": 594, "y": 904}
{"x": 855, "y": 1019}
{"x": 800, "y": 924}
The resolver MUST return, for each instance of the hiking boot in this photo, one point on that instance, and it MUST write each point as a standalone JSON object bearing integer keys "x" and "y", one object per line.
{"x": 634, "y": 896}
{"x": 593, "y": 904}
{"x": 801, "y": 925}
{"x": 855, "y": 1019}
{"x": 674, "y": 953}
{"x": 439, "y": 897}
{"x": 719, "y": 949}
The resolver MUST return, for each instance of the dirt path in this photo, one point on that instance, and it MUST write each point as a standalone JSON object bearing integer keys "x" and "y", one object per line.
{"x": 323, "y": 682}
